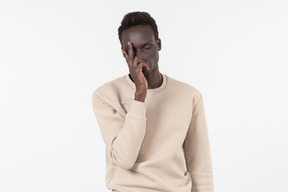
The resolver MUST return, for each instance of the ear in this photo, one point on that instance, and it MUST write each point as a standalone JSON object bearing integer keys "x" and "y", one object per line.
{"x": 159, "y": 44}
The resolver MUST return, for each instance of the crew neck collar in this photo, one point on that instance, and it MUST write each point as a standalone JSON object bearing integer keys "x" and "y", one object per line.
{"x": 162, "y": 86}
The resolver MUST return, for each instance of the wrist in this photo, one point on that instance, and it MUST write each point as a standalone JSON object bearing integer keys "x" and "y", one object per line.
{"x": 140, "y": 96}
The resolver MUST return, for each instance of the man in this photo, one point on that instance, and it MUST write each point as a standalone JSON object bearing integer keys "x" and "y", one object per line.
{"x": 153, "y": 126}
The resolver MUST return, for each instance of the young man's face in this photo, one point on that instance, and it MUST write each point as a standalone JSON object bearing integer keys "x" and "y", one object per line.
{"x": 144, "y": 45}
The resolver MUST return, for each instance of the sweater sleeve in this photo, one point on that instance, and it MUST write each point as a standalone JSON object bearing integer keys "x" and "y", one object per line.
{"x": 122, "y": 136}
{"x": 197, "y": 151}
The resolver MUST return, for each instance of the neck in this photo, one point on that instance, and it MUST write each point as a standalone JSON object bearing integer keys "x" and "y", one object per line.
{"x": 154, "y": 81}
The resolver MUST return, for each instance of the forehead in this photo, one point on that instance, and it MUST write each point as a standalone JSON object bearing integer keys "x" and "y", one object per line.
{"x": 138, "y": 34}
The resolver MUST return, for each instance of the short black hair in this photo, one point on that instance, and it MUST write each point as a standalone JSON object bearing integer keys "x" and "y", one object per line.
{"x": 137, "y": 18}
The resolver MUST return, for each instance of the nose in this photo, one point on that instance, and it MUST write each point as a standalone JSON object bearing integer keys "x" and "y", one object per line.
{"x": 139, "y": 53}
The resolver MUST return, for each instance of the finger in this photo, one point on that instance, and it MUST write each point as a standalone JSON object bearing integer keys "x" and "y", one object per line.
{"x": 130, "y": 53}
{"x": 136, "y": 61}
{"x": 125, "y": 54}
{"x": 141, "y": 66}
{"x": 145, "y": 65}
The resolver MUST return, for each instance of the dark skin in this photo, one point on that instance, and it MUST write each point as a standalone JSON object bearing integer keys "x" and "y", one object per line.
{"x": 140, "y": 49}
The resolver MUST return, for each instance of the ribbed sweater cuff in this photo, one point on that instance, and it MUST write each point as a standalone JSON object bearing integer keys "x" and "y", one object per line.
{"x": 137, "y": 109}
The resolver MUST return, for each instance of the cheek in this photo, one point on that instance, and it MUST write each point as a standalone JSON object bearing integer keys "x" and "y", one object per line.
{"x": 153, "y": 56}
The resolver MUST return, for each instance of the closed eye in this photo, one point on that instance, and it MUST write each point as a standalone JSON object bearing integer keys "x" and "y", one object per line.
{"x": 147, "y": 47}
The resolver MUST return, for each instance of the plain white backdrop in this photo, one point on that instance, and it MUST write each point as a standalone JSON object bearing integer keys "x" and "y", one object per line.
{"x": 54, "y": 54}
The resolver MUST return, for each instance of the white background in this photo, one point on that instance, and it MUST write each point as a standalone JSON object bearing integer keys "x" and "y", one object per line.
{"x": 54, "y": 54}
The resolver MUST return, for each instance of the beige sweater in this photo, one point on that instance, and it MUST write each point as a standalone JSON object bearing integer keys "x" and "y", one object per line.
{"x": 160, "y": 145}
